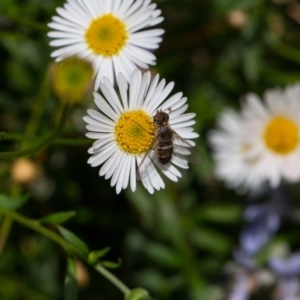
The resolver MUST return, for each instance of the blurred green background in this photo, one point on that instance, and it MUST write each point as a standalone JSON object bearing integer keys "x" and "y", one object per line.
{"x": 177, "y": 242}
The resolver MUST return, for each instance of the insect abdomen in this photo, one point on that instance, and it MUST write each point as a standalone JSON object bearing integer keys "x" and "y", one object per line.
{"x": 164, "y": 150}
{"x": 164, "y": 153}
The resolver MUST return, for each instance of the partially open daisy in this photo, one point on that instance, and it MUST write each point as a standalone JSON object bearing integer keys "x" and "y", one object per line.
{"x": 231, "y": 152}
{"x": 263, "y": 143}
{"x": 124, "y": 129}
{"x": 109, "y": 33}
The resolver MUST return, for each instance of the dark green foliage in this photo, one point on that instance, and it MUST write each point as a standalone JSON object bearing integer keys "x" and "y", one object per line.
{"x": 178, "y": 242}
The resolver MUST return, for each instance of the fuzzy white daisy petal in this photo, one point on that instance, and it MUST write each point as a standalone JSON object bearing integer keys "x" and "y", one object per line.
{"x": 124, "y": 64}
{"x": 98, "y": 117}
{"x": 187, "y": 134}
{"x": 117, "y": 178}
{"x": 168, "y": 172}
{"x": 110, "y": 94}
{"x": 95, "y": 135}
{"x": 105, "y": 107}
{"x": 132, "y": 173}
{"x": 103, "y": 141}
{"x": 151, "y": 90}
{"x": 183, "y": 118}
{"x": 178, "y": 161}
{"x": 123, "y": 86}
{"x": 68, "y": 51}
{"x": 108, "y": 167}
{"x": 134, "y": 89}
{"x": 146, "y": 42}
{"x": 99, "y": 128}
{"x": 71, "y": 17}
{"x": 179, "y": 111}
{"x": 123, "y": 8}
{"x": 135, "y": 53}
{"x": 174, "y": 102}
{"x": 159, "y": 98}
{"x": 98, "y": 158}
{"x": 143, "y": 89}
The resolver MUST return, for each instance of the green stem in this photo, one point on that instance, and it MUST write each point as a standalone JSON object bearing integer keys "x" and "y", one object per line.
{"x": 113, "y": 279}
{"x": 59, "y": 141}
{"x": 4, "y": 232}
{"x": 37, "y": 111}
{"x": 44, "y": 144}
{"x": 69, "y": 248}
{"x": 36, "y": 226}
{"x": 287, "y": 51}
{"x": 28, "y": 23}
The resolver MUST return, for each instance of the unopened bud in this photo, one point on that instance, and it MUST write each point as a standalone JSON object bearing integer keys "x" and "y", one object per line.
{"x": 237, "y": 18}
{"x": 72, "y": 79}
{"x": 23, "y": 170}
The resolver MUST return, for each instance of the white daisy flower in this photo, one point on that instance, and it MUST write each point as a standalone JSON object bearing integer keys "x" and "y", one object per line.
{"x": 230, "y": 144}
{"x": 124, "y": 129}
{"x": 109, "y": 33}
{"x": 263, "y": 143}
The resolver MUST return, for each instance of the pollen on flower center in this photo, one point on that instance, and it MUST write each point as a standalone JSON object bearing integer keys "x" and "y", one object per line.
{"x": 106, "y": 35}
{"x": 281, "y": 135}
{"x": 134, "y": 131}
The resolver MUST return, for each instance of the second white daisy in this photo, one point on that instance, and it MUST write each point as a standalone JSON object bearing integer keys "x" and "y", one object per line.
{"x": 263, "y": 143}
{"x": 110, "y": 33}
{"x": 124, "y": 129}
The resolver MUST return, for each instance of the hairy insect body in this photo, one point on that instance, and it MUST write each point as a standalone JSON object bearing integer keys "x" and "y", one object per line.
{"x": 164, "y": 147}
{"x": 166, "y": 143}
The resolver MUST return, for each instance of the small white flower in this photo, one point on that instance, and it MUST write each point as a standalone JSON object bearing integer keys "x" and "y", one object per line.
{"x": 109, "y": 33}
{"x": 124, "y": 129}
{"x": 262, "y": 144}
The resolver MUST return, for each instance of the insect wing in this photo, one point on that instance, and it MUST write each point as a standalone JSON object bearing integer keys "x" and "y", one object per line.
{"x": 186, "y": 151}
{"x": 146, "y": 166}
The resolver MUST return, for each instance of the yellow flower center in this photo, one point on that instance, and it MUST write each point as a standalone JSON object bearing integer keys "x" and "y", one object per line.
{"x": 281, "y": 135}
{"x": 134, "y": 131}
{"x": 106, "y": 35}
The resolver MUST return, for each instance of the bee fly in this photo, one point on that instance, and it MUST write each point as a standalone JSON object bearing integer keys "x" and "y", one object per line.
{"x": 167, "y": 143}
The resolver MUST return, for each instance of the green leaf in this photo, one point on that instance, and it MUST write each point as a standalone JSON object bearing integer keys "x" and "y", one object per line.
{"x": 287, "y": 51}
{"x": 138, "y": 294}
{"x": 111, "y": 264}
{"x": 12, "y": 203}
{"x": 74, "y": 240}
{"x": 211, "y": 240}
{"x": 220, "y": 213}
{"x": 58, "y": 218}
{"x": 70, "y": 284}
{"x": 95, "y": 255}
{"x": 164, "y": 255}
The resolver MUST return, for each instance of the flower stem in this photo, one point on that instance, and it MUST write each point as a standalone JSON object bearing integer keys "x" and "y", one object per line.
{"x": 113, "y": 279}
{"x": 4, "y": 232}
{"x": 45, "y": 143}
{"x": 37, "y": 112}
{"x": 36, "y": 226}
{"x": 59, "y": 141}
{"x": 69, "y": 248}
{"x": 27, "y": 23}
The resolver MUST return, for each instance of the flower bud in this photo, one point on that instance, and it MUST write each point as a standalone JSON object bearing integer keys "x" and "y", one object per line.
{"x": 23, "y": 170}
{"x": 72, "y": 79}
{"x": 237, "y": 18}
